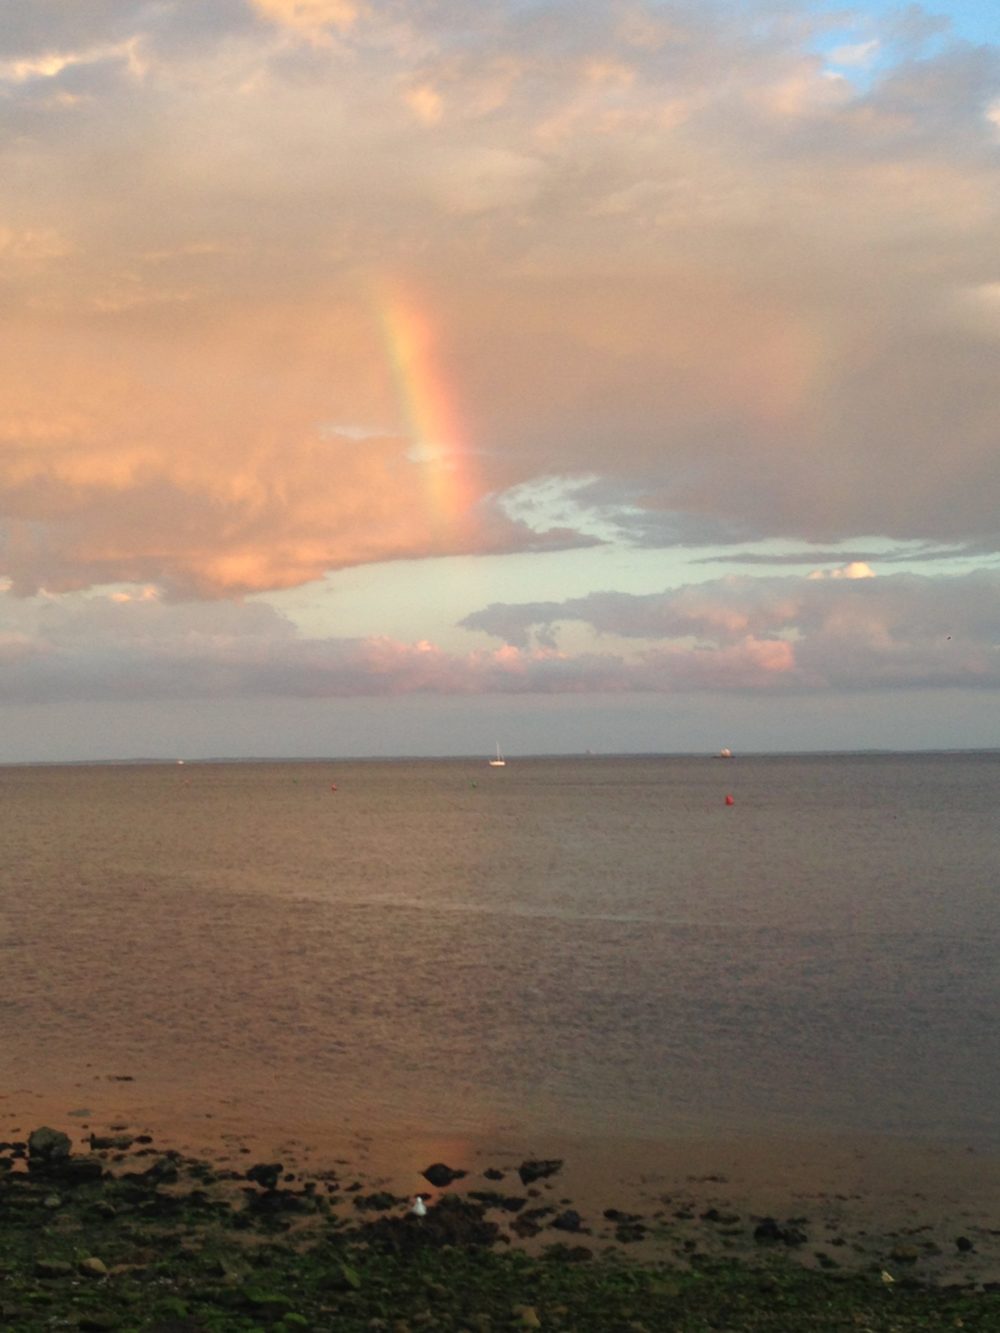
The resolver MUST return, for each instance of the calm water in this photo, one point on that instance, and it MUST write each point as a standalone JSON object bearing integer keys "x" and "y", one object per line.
{"x": 590, "y": 945}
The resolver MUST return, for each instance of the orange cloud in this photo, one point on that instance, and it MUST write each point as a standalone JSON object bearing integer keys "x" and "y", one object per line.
{"x": 739, "y": 311}
{"x": 310, "y": 16}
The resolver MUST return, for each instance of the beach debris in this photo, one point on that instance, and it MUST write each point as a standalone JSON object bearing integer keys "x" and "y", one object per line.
{"x": 527, "y": 1316}
{"x": 92, "y": 1267}
{"x": 418, "y": 1207}
{"x": 730, "y": 801}
{"x": 440, "y": 1175}
{"x": 887, "y": 1277}
{"x": 538, "y": 1169}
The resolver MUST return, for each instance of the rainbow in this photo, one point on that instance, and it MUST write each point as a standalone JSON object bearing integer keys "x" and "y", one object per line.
{"x": 429, "y": 407}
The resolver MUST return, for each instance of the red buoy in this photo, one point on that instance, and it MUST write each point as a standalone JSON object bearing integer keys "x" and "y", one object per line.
{"x": 730, "y": 801}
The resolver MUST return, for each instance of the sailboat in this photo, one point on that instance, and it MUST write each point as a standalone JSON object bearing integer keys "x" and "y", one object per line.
{"x": 499, "y": 761}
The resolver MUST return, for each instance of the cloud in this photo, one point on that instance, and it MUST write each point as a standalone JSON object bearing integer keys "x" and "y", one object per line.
{"x": 770, "y": 636}
{"x": 663, "y": 250}
{"x": 310, "y": 16}
{"x": 51, "y": 64}
{"x": 854, "y": 569}
{"x": 846, "y": 631}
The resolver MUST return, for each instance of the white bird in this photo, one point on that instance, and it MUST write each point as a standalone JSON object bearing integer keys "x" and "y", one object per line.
{"x": 419, "y": 1208}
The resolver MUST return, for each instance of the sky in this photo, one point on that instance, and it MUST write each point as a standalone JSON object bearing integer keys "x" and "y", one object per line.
{"x": 400, "y": 377}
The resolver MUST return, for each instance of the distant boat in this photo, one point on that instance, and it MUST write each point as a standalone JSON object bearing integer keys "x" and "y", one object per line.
{"x": 499, "y": 761}
{"x": 725, "y": 753}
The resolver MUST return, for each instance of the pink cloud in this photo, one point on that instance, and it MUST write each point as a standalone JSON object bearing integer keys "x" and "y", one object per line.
{"x": 797, "y": 636}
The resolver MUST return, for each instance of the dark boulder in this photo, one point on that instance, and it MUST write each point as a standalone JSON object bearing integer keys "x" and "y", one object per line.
{"x": 570, "y": 1220}
{"x": 440, "y": 1175}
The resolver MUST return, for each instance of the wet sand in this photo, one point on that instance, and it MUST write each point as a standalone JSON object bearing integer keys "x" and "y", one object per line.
{"x": 914, "y": 1210}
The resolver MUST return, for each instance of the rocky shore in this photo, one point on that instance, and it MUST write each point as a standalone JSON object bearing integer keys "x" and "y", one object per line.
{"x": 111, "y": 1232}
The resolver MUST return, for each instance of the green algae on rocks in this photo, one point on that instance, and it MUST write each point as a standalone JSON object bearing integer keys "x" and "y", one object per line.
{"x": 169, "y": 1244}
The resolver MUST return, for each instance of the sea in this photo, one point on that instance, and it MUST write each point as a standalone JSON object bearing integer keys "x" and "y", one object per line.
{"x": 587, "y": 945}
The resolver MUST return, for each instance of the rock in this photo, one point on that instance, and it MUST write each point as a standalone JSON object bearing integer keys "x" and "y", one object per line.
{"x": 440, "y": 1175}
{"x": 454, "y": 1221}
{"x": 627, "y": 1233}
{"x": 720, "y": 1219}
{"x": 378, "y": 1202}
{"x": 532, "y": 1169}
{"x": 47, "y": 1146}
{"x": 904, "y": 1254}
{"x": 93, "y": 1267}
{"x": 266, "y": 1174}
{"x": 163, "y": 1172}
{"x": 80, "y": 1170}
{"x": 568, "y": 1254}
{"x": 570, "y": 1220}
{"x": 770, "y": 1232}
{"x": 271, "y": 1304}
{"x": 493, "y": 1173}
{"x": 963, "y": 1244}
{"x": 104, "y": 1142}
{"x": 53, "y": 1268}
{"x": 97, "y": 1322}
{"x": 527, "y": 1316}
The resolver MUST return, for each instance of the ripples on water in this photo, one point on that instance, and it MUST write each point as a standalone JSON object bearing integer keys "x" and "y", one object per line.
{"x": 588, "y": 945}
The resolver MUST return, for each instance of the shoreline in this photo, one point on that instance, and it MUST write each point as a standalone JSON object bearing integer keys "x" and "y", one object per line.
{"x": 859, "y": 1202}
{"x": 106, "y": 1228}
